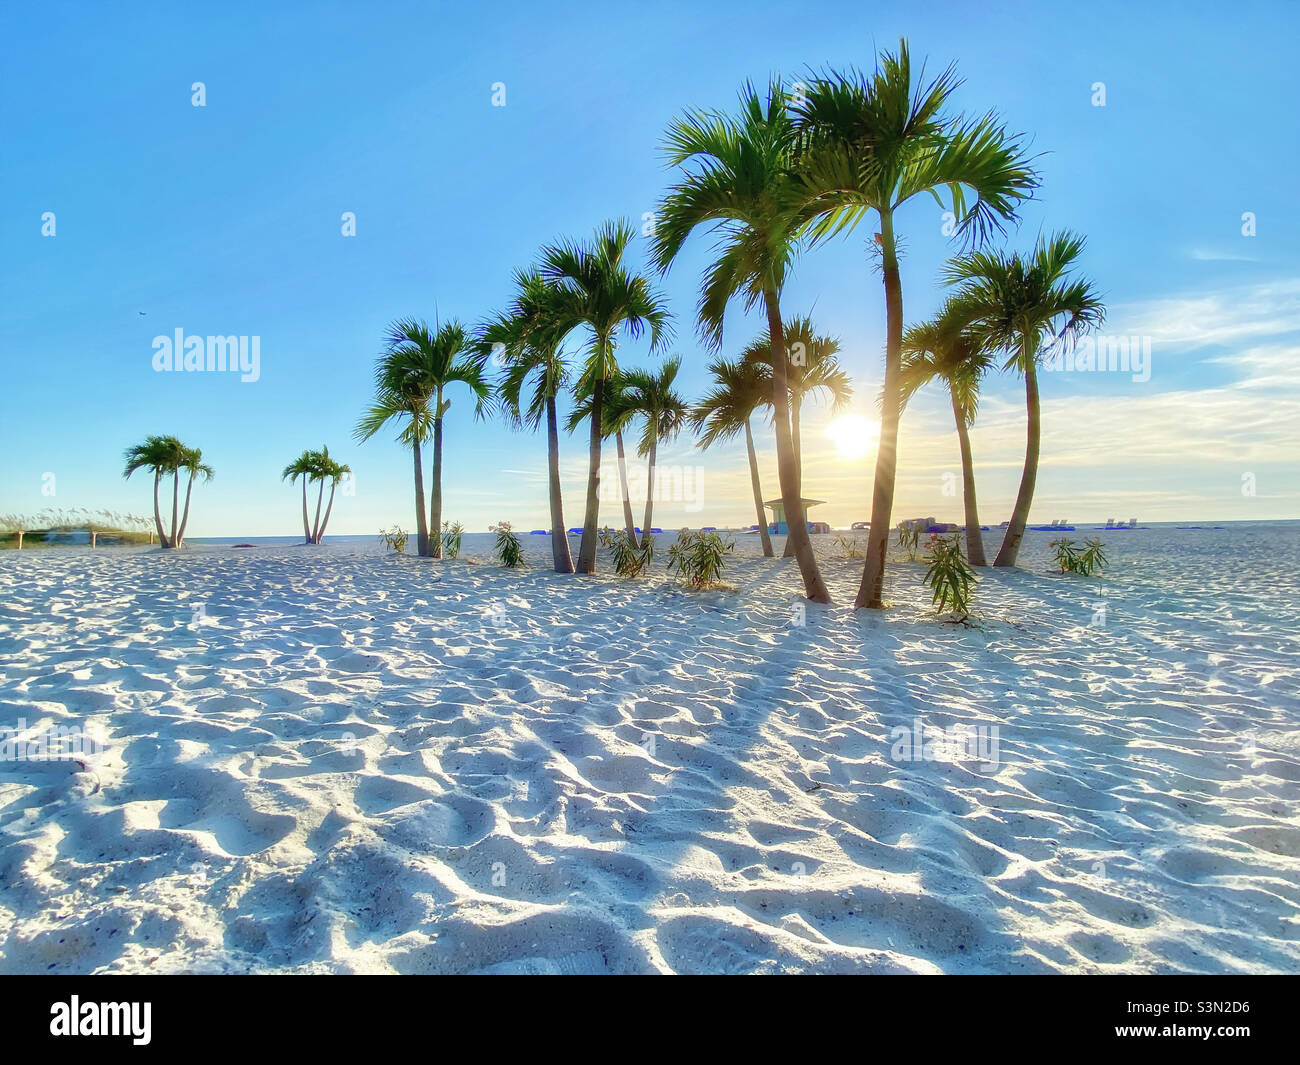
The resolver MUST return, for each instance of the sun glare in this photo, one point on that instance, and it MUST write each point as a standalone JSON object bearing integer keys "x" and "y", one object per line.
{"x": 854, "y": 436}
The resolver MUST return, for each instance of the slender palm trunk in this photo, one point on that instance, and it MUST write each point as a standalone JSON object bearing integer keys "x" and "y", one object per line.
{"x": 176, "y": 499}
{"x": 758, "y": 492}
{"x": 185, "y": 517}
{"x": 587, "y": 546}
{"x": 882, "y": 502}
{"x": 787, "y": 470}
{"x": 157, "y": 513}
{"x": 320, "y": 533}
{"x": 559, "y": 534}
{"x": 974, "y": 541}
{"x": 650, "y": 490}
{"x": 796, "y": 402}
{"x": 306, "y": 527}
{"x": 435, "y": 491}
{"x": 315, "y": 522}
{"x": 1010, "y": 548}
{"x": 628, "y": 520}
{"x": 421, "y": 526}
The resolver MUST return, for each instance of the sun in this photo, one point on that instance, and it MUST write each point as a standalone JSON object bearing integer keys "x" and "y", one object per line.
{"x": 854, "y": 436}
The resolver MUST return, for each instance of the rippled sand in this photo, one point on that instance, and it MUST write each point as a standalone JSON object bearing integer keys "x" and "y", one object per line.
{"x": 352, "y": 762}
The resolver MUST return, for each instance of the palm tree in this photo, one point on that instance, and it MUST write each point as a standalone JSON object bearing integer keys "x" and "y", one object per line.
{"x": 191, "y": 460}
{"x": 871, "y": 145}
{"x": 595, "y": 290}
{"x": 334, "y": 472}
{"x": 651, "y": 397}
{"x": 944, "y": 349}
{"x": 530, "y": 334}
{"x": 161, "y": 455}
{"x": 416, "y": 367}
{"x": 1016, "y": 304}
{"x": 304, "y": 467}
{"x": 742, "y": 387}
{"x": 811, "y": 368}
{"x": 742, "y": 186}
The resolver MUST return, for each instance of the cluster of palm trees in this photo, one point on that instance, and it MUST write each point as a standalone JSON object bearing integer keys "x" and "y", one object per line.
{"x": 167, "y": 456}
{"x": 316, "y": 466}
{"x": 791, "y": 168}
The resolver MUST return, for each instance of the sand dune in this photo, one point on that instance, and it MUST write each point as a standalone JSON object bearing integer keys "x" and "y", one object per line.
{"x": 334, "y": 760}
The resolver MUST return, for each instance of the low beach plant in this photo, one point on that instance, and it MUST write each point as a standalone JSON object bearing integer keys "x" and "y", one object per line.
{"x": 394, "y": 539}
{"x": 630, "y": 559}
{"x": 452, "y": 531}
{"x": 1087, "y": 559}
{"x": 510, "y": 552}
{"x": 949, "y": 577}
{"x": 698, "y": 557}
{"x": 909, "y": 538}
{"x": 851, "y": 546}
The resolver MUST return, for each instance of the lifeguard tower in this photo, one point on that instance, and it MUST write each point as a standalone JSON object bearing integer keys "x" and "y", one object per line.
{"x": 779, "y": 526}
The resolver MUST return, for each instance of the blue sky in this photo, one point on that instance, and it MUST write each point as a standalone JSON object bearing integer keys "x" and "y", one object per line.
{"x": 225, "y": 219}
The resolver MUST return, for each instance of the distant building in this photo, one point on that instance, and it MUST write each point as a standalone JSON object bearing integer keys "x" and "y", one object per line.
{"x": 780, "y": 526}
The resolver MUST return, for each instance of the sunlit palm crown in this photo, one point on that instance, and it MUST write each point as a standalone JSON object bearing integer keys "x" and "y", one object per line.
{"x": 158, "y": 453}
{"x": 528, "y": 336}
{"x": 738, "y": 180}
{"x": 944, "y": 348}
{"x": 742, "y": 387}
{"x": 650, "y": 395}
{"x": 873, "y": 142}
{"x": 818, "y": 370}
{"x": 1012, "y": 300}
{"x": 591, "y": 286}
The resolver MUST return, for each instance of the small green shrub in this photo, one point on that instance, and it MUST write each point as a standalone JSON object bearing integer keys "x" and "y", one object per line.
{"x": 909, "y": 537}
{"x": 1086, "y": 559}
{"x": 950, "y": 579}
{"x": 630, "y": 560}
{"x": 394, "y": 539}
{"x": 452, "y": 531}
{"x": 510, "y": 552}
{"x": 851, "y": 546}
{"x": 698, "y": 557}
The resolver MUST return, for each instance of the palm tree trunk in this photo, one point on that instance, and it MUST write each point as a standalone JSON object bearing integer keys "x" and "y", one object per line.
{"x": 176, "y": 498}
{"x": 1010, "y": 548}
{"x": 320, "y": 533}
{"x": 758, "y": 492}
{"x": 435, "y": 491}
{"x": 315, "y": 522}
{"x": 559, "y": 534}
{"x": 587, "y": 546}
{"x": 185, "y": 518}
{"x": 650, "y": 490}
{"x": 306, "y": 528}
{"x": 157, "y": 514}
{"x": 628, "y": 520}
{"x": 787, "y": 470}
{"x": 974, "y": 541}
{"x": 796, "y": 402}
{"x": 421, "y": 521}
{"x": 882, "y": 502}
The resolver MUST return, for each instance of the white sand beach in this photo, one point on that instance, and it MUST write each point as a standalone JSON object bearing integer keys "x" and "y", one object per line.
{"x": 360, "y": 762}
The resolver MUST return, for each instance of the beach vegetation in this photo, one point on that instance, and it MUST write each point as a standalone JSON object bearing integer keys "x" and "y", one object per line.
{"x": 698, "y": 557}
{"x": 393, "y": 539}
{"x": 452, "y": 532}
{"x": 631, "y": 559}
{"x": 509, "y": 551}
{"x": 949, "y": 577}
{"x": 1086, "y": 559}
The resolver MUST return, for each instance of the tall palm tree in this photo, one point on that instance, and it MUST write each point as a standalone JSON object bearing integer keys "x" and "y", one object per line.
{"x": 334, "y": 472}
{"x": 191, "y": 460}
{"x": 1017, "y": 304}
{"x": 652, "y": 398}
{"x": 944, "y": 349}
{"x": 741, "y": 185}
{"x": 530, "y": 333}
{"x": 596, "y": 291}
{"x": 741, "y": 388}
{"x": 870, "y": 145}
{"x": 811, "y": 369}
{"x": 161, "y": 455}
{"x": 416, "y": 367}
{"x": 302, "y": 468}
